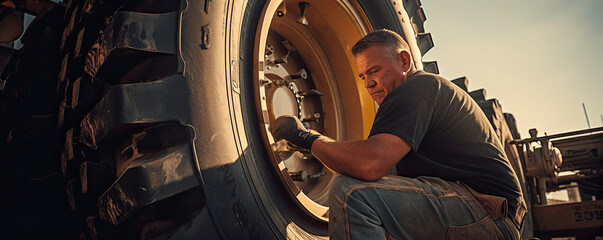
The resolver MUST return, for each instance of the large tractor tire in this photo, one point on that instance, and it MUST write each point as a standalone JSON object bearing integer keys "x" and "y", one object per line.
{"x": 505, "y": 126}
{"x": 148, "y": 119}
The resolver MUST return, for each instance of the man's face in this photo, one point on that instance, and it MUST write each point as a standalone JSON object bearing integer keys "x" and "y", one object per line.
{"x": 380, "y": 71}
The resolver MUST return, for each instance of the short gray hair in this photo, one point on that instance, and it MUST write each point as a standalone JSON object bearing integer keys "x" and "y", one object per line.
{"x": 382, "y": 37}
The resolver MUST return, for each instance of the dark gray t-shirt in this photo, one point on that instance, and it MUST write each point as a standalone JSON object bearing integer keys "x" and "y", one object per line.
{"x": 450, "y": 136}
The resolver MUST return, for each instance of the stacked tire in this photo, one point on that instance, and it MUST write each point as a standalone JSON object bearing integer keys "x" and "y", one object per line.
{"x": 505, "y": 126}
{"x": 137, "y": 120}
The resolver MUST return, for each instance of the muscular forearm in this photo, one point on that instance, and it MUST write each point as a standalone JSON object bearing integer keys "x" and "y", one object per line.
{"x": 367, "y": 159}
{"x": 360, "y": 159}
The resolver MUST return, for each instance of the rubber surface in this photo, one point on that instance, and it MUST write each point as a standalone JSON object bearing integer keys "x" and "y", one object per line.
{"x": 136, "y": 119}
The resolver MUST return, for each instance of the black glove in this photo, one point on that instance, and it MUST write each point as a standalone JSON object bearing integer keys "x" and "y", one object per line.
{"x": 291, "y": 129}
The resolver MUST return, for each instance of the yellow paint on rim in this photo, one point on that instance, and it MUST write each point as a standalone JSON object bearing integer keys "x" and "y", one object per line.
{"x": 325, "y": 47}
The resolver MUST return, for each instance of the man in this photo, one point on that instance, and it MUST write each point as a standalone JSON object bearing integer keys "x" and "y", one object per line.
{"x": 454, "y": 181}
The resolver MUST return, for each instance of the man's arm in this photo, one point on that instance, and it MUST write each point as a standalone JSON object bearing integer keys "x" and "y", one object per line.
{"x": 368, "y": 160}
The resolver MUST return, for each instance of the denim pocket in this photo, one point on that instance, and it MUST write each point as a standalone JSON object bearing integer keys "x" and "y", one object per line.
{"x": 483, "y": 229}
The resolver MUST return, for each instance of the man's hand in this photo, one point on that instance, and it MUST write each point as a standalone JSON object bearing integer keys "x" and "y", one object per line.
{"x": 291, "y": 129}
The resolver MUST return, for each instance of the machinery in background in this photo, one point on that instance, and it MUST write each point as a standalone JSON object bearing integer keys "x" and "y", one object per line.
{"x": 564, "y": 175}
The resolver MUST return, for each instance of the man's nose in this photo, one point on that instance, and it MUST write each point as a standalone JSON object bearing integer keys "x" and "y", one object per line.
{"x": 369, "y": 82}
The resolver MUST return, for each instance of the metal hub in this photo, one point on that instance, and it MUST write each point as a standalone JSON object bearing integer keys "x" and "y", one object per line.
{"x": 305, "y": 70}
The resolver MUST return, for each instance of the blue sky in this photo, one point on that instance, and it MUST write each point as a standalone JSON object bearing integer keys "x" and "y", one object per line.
{"x": 540, "y": 59}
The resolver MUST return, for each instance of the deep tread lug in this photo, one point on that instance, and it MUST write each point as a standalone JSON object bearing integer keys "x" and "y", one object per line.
{"x": 411, "y": 6}
{"x": 67, "y": 153}
{"x": 479, "y": 95}
{"x": 417, "y": 20}
{"x": 94, "y": 177}
{"x": 512, "y": 125}
{"x": 431, "y": 67}
{"x": 149, "y": 181}
{"x": 135, "y": 103}
{"x": 425, "y": 42}
{"x": 69, "y": 28}
{"x": 131, "y": 38}
{"x": 462, "y": 82}
{"x": 75, "y": 93}
{"x": 72, "y": 193}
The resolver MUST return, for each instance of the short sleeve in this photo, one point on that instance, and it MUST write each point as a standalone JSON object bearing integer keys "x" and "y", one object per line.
{"x": 404, "y": 114}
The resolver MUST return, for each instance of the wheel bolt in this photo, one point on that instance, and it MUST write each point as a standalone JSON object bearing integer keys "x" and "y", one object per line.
{"x": 315, "y": 118}
{"x": 303, "y": 176}
{"x": 311, "y": 92}
{"x": 269, "y": 49}
{"x": 303, "y": 7}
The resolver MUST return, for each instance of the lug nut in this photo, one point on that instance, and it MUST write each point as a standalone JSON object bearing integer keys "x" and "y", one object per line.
{"x": 315, "y": 118}
{"x": 269, "y": 49}
{"x": 264, "y": 82}
{"x": 311, "y": 92}
{"x": 281, "y": 10}
{"x": 303, "y": 176}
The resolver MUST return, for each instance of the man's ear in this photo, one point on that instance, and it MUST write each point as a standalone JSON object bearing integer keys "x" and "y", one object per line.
{"x": 405, "y": 59}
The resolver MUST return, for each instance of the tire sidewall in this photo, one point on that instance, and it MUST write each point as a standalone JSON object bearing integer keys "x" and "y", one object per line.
{"x": 245, "y": 196}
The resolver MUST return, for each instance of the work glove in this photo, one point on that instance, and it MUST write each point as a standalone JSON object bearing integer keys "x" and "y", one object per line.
{"x": 291, "y": 129}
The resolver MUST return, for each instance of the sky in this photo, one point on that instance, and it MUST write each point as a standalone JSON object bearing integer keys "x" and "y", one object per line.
{"x": 540, "y": 59}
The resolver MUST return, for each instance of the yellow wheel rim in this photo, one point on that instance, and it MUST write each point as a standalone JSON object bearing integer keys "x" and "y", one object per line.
{"x": 304, "y": 67}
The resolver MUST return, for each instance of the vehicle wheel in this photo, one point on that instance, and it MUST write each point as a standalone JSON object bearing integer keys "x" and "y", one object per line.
{"x": 164, "y": 108}
{"x": 288, "y": 68}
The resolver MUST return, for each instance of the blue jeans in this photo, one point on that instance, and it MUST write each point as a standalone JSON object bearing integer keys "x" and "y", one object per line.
{"x": 397, "y": 207}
